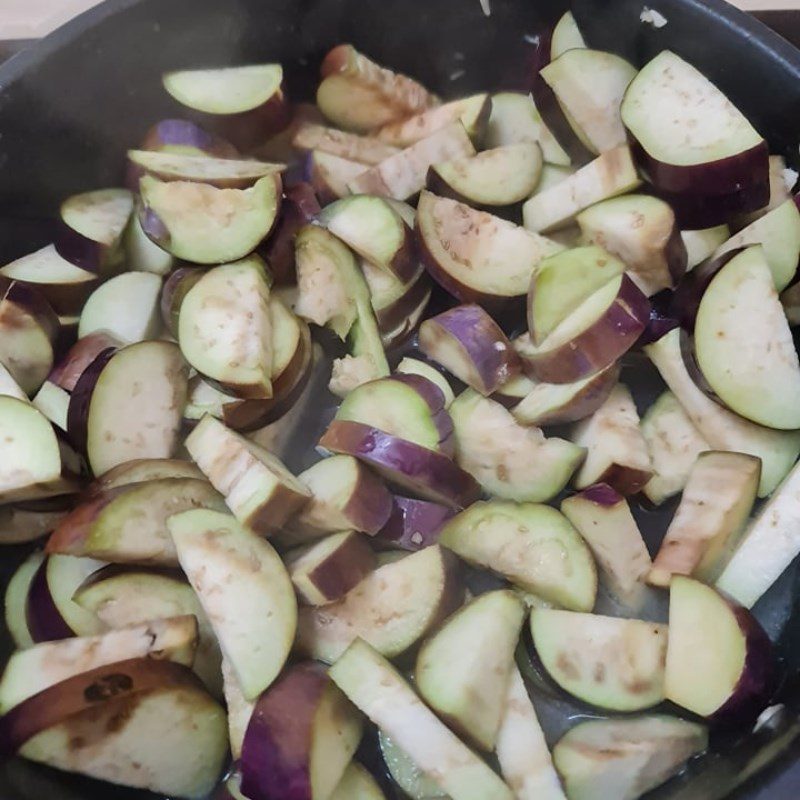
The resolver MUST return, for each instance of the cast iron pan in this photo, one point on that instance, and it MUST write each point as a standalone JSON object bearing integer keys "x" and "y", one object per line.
{"x": 72, "y": 105}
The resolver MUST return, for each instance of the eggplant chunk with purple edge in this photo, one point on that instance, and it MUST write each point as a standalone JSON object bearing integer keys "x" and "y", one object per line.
{"x": 474, "y": 255}
{"x": 244, "y": 104}
{"x": 413, "y": 524}
{"x": 674, "y": 443}
{"x": 200, "y": 223}
{"x": 715, "y": 506}
{"x": 359, "y": 95}
{"x": 330, "y": 175}
{"x": 738, "y": 361}
{"x": 533, "y": 546}
{"x": 245, "y": 591}
{"x": 71, "y": 365}
{"x": 393, "y": 608}
{"x": 501, "y": 176}
{"x": 470, "y": 694}
{"x": 721, "y": 428}
{"x": 302, "y": 735}
{"x": 617, "y": 453}
{"x": 720, "y": 663}
{"x": 604, "y": 519}
{"x": 414, "y": 366}
{"x": 624, "y": 758}
{"x": 509, "y": 460}
{"x": 365, "y": 150}
{"x": 15, "y": 600}
{"x": 394, "y": 301}
{"x": 378, "y": 689}
{"x": 144, "y": 469}
{"x": 703, "y": 243}
{"x": 406, "y": 774}
{"x": 259, "y": 490}
{"x": 467, "y": 342}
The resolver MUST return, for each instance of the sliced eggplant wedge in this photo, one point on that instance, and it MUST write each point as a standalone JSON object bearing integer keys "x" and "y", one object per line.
{"x": 722, "y": 429}
{"x": 16, "y": 600}
{"x": 413, "y": 524}
{"x": 359, "y": 95}
{"x": 225, "y": 330}
{"x": 199, "y": 223}
{"x": 625, "y": 758}
{"x": 470, "y": 694}
{"x": 406, "y": 774}
{"x": 617, "y": 452}
{"x": 393, "y": 300}
{"x": 185, "y": 136}
{"x": 243, "y": 104}
{"x": 604, "y": 519}
{"x": 476, "y": 256}
{"x": 611, "y": 174}
{"x": 611, "y": 663}
{"x": 142, "y": 254}
{"x": 413, "y": 366}
{"x": 392, "y": 609}
{"x": 510, "y": 461}
{"x": 737, "y": 360}
{"x": 63, "y": 285}
{"x": 381, "y": 692}
{"x": 10, "y": 388}
{"x": 330, "y": 175}
{"x": 674, "y": 443}
{"x": 239, "y": 709}
{"x": 566, "y": 35}
{"x": 53, "y": 402}
{"x": 145, "y": 469}
{"x": 702, "y": 244}
{"x": 402, "y": 176}
{"x": 361, "y": 149}
{"x": 642, "y": 232}
{"x": 531, "y": 545}
{"x": 498, "y": 177}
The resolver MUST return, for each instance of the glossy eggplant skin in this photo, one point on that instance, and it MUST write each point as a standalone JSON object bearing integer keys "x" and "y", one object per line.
{"x": 67, "y": 121}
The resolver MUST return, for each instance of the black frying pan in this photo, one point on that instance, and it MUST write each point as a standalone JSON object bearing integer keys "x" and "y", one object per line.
{"x": 71, "y": 105}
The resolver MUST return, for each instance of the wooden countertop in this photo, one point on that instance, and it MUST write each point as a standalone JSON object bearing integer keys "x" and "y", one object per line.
{"x": 31, "y": 19}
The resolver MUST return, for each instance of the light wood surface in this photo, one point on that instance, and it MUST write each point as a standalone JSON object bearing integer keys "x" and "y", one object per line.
{"x": 30, "y": 19}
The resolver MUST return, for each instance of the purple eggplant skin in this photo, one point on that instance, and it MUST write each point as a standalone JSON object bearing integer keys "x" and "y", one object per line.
{"x": 413, "y": 524}
{"x": 299, "y": 207}
{"x": 491, "y": 357}
{"x": 393, "y": 315}
{"x": 69, "y": 368}
{"x": 602, "y": 495}
{"x": 44, "y": 620}
{"x": 80, "y": 250}
{"x": 30, "y": 300}
{"x": 153, "y": 226}
{"x": 176, "y": 287}
{"x": 434, "y": 399}
{"x": 81, "y": 397}
{"x": 417, "y": 469}
{"x": 663, "y": 318}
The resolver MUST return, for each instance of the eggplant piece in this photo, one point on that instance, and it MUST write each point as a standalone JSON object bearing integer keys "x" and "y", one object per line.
{"x": 591, "y": 338}
{"x": 470, "y": 694}
{"x": 701, "y": 244}
{"x": 531, "y": 545}
{"x": 514, "y": 119}
{"x": 185, "y": 136}
{"x": 9, "y": 387}
{"x": 474, "y": 255}
{"x": 330, "y": 175}
{"x": 642, "y": 232}
{"x": 566, "y": 35}
{"x": 302, "y": 734}
{"x": 406, "y": 774}
{"x": 710, "y": 520}
{"x": 359, "y": 95}
{"x": 769, "y": 545}
{"x": 508, "y": 460}
{"x": 722, "y": 429}
{"x": 413, "y": 366}
{"x": 205, "y": 225}
{"x": 738, "y": 361}
{"x": 122, "y": 598}
{"x": 125, "y": 307}
{"x": 19, "y": 525}
{"x": 393, "y": 300}
{"x": 174, "y": 292}
{"x": 401, "y": 335}
{"x": 413, "y": 524}
{"x": 15, "y": 600}
{"x": 611, "y": 663}
{"x": 498, "y": 177}
{"x": 349, "y": 146}
{"x": 392, "y": 609}
{"x": 239, "y": 709}
{"x": 63, "y": 285}
{"x": 782, "y": 180}
{"x": 142, "y": 254}
{"x": 625, "y": 758}
{"x": 67, "y": 372}
{"x": 245, "y": 591}
{"x": 327, "y": 570}
{"x": 720, "y": 664}
{"x": 416, "y": 469}
{"x": 107, "y": 526}
{"x": 611, "y": 174}
{"x": 28, "y": 331}
{"x": 559, "y": 403}
{"x": 564, "y": 281}
{"x": 467, "y": 342}
{"x": 617, "y": 452}
{"x": 674, "y": 444}
{"x": 357, "y": 783}
{"x": 778, "y": 232}
{"x": 403, "y": 175}
{"x": 225, "y": 331}
{"x": 514, "y": 391}
{"x": 588, "y": 110}
{"x": 243, "y": 104}
{"x": 144, "y": 469}
{"x": 260, "y": 492}
{"x": 604, "y": 519}
{"x": 90, "y": 229}
{"x": 376, "y": 687}
{"x": 53, "y": 402}
{"x": 405, "y": 405}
